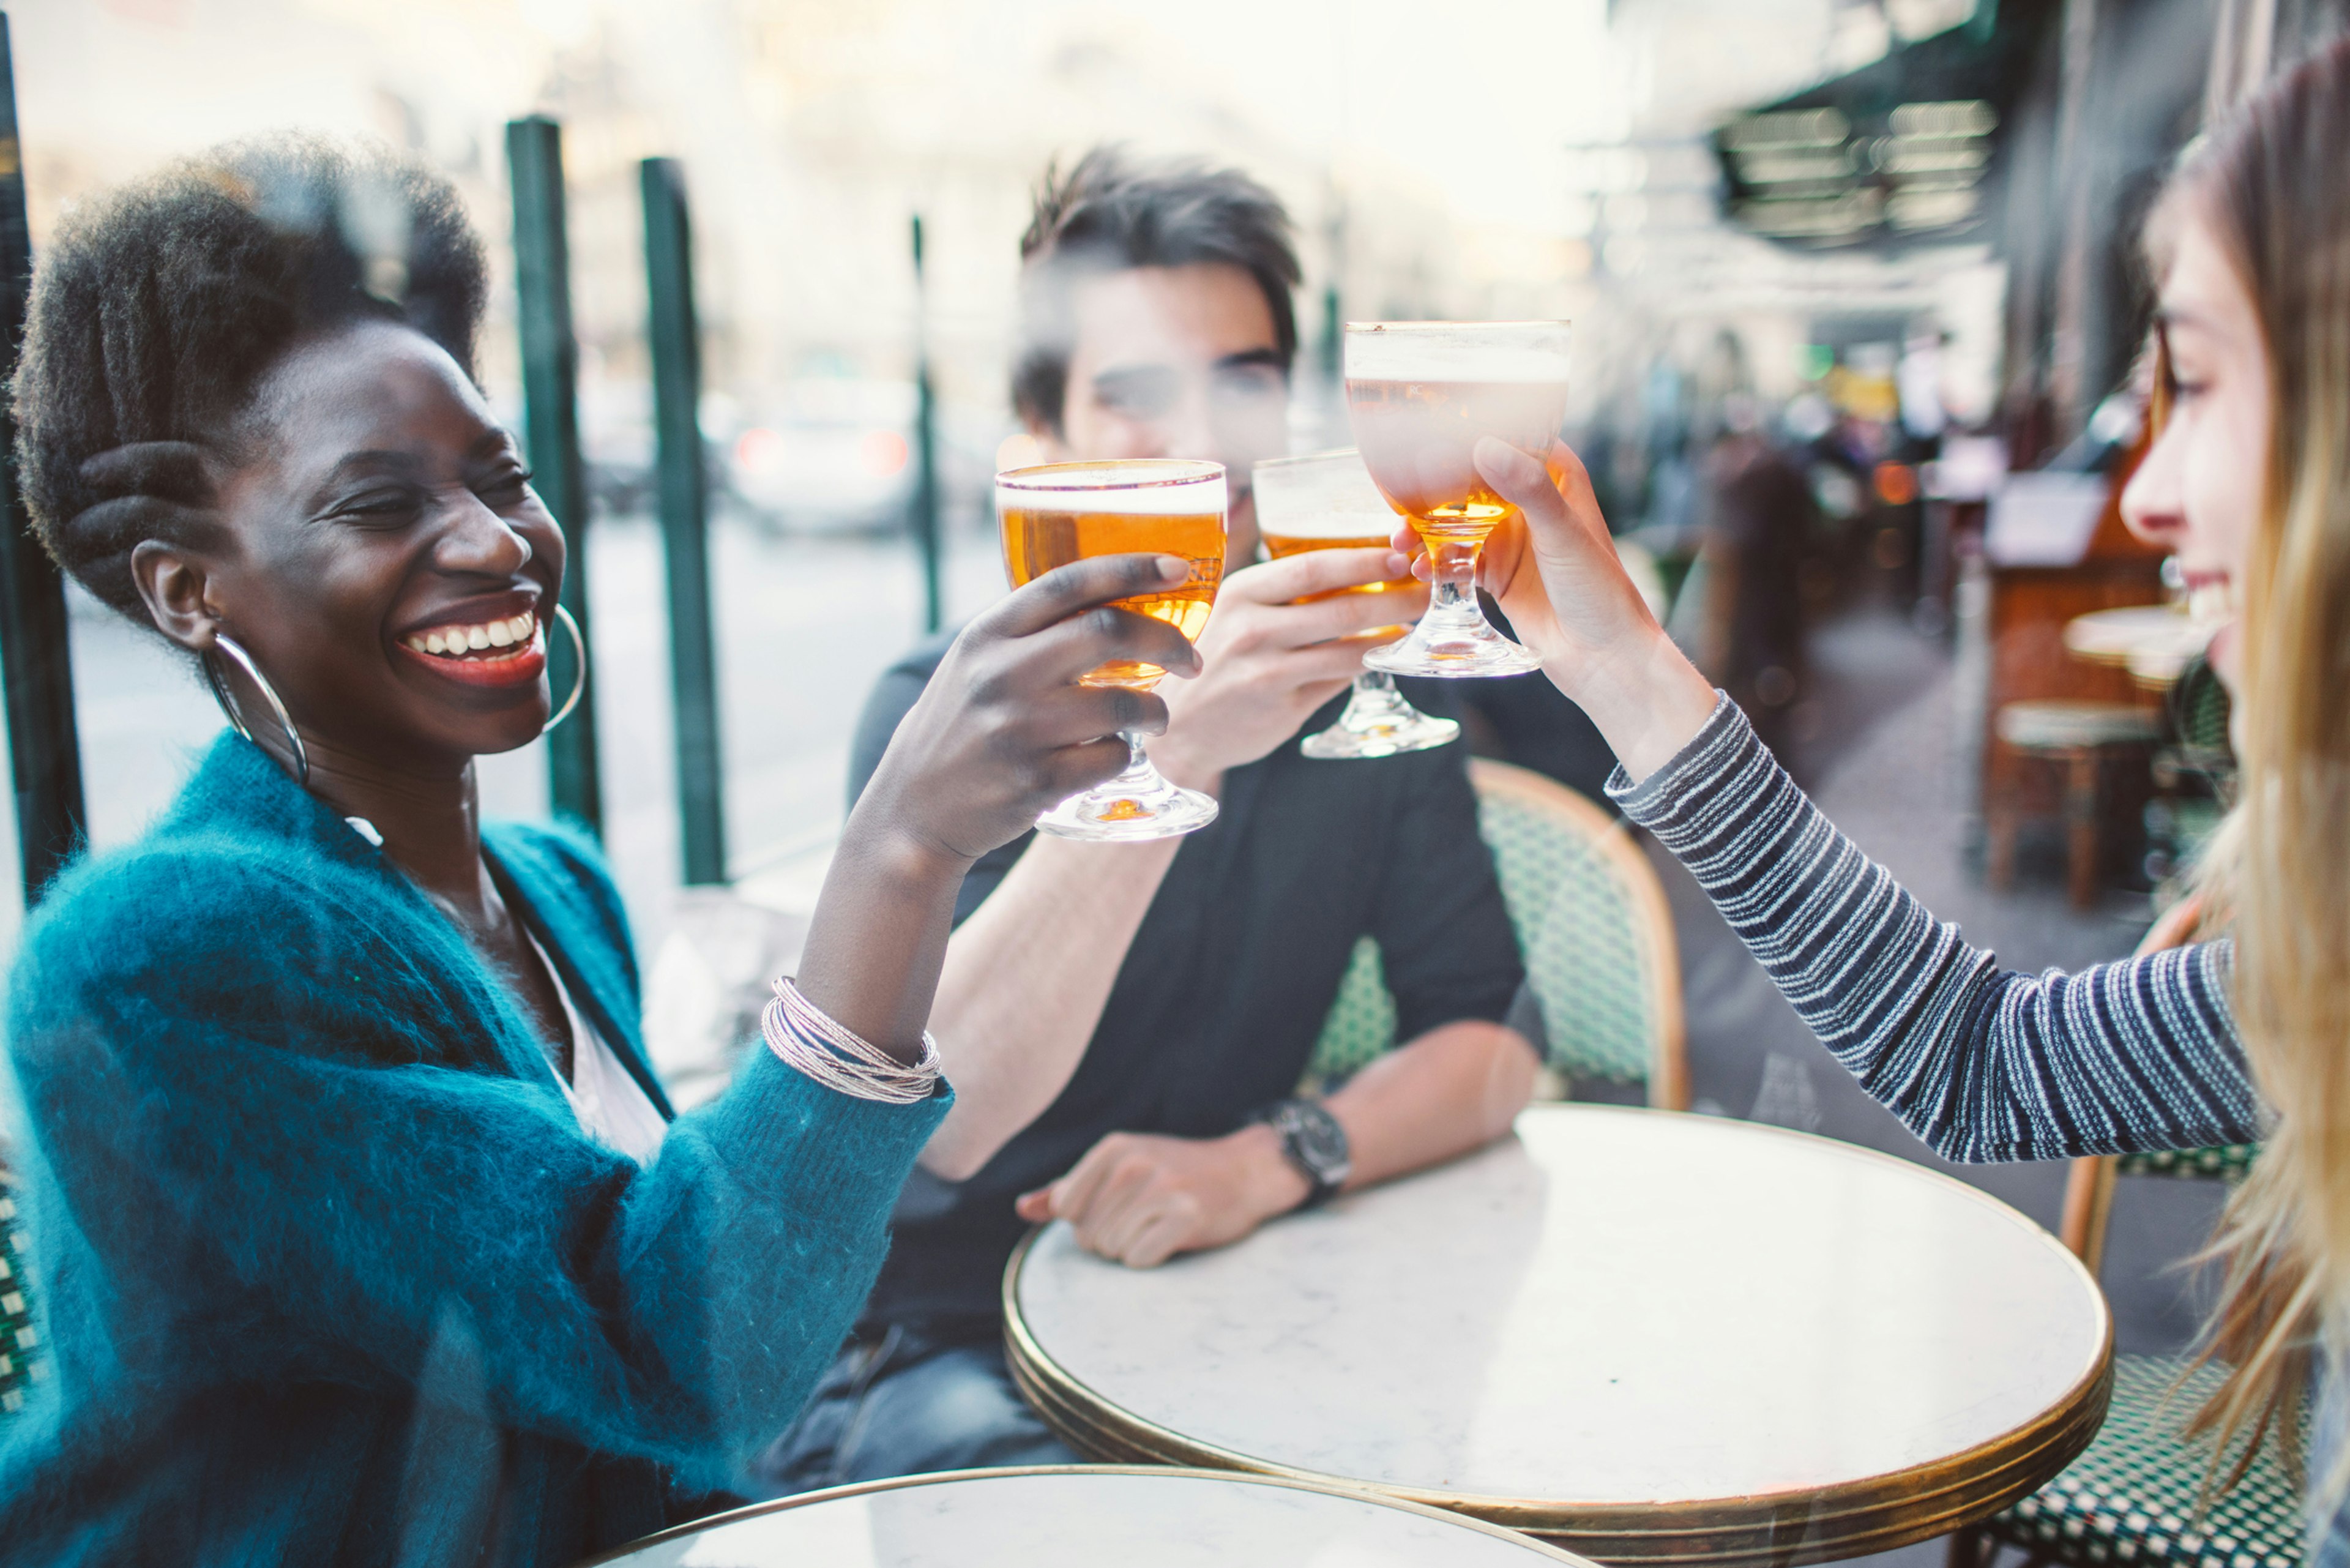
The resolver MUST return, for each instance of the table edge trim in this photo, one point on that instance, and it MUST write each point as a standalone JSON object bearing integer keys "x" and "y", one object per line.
{"x": 1351, "y": 1491}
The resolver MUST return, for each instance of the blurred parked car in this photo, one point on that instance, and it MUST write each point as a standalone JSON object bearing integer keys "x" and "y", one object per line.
{"x": 616, "y": 437}
{"x": 825, "y": 454}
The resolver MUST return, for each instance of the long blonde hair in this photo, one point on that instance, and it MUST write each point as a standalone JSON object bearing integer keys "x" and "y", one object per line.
{"x": 2269, "y": 186}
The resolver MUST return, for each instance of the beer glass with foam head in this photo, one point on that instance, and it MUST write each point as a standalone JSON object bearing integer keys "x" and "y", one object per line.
{"x": 1420, "y": 395}
{"x": 1066, "y": 512}
{"x": 1327, "y": 502}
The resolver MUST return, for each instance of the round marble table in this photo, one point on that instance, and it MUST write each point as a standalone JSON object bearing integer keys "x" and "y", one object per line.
{"x": 1083, "y": 1516}
{"x": 1645, "y": 1336}
{"x": 2154, "y": 643}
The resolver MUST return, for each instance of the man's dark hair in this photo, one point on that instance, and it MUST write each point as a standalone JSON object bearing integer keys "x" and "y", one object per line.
{"x": 156, "y": 311}
{"x": 1109, "y": 212}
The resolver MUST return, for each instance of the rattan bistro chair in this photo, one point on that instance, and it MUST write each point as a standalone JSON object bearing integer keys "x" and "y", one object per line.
{"x": 2134, "y": 1495}
{"x": 20, "y": 1341}
{"x": 1592, "y": 921}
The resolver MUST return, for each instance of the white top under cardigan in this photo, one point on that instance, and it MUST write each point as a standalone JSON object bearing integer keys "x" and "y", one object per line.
{"x": 612, "y": 1107}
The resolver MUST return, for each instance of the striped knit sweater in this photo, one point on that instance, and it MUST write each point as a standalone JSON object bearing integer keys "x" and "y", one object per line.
{"x": 1982, "y": 1062}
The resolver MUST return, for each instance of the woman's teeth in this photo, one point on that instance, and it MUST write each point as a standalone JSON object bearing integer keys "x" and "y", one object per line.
{"x": 2212, "y": 601}
{"x": 464, "y": 641}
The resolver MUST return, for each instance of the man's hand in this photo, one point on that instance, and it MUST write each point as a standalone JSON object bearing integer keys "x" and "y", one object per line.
{"x": 1268, "y": 662}
{"x": 1140, "y": 1198}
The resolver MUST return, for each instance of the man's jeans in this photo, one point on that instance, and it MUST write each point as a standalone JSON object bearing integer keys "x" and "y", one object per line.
{"x": 905, "y": 1405}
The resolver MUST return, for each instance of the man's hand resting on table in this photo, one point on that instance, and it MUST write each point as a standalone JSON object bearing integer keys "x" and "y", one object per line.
{"x": 1138, "y": 1199}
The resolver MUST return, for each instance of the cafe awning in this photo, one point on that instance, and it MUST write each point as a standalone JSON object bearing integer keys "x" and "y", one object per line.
{"x": 1904, "y": 150}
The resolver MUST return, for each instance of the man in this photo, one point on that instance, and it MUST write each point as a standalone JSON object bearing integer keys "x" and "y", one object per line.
{"x": 1143, "y": 1013}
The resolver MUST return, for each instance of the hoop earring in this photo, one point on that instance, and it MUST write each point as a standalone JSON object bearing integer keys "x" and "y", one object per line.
{"x": 223, "y": 643}
{"x": 580, "y": 683}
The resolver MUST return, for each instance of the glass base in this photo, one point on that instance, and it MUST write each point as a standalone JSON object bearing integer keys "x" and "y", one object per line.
{"x": 1138, "y": 803}
{"x": 1378, "y": 723}
{"x": 1452, "y": 648}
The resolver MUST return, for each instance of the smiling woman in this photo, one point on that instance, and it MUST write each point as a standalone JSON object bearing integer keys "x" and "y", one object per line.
{"x": 394, "y": 506}
{"x": 362, "y": 1229}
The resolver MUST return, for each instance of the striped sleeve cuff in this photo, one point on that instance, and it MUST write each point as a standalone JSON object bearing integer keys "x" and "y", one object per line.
{"x": 1694, "y": 778}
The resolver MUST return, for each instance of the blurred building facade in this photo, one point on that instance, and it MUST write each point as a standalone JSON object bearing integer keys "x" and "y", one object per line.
{"x": 1503, "y": 158}
{"x": 1497, "y": 159}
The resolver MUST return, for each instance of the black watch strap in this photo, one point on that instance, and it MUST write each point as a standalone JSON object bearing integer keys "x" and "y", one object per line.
{"x": 1314, "y": 1142}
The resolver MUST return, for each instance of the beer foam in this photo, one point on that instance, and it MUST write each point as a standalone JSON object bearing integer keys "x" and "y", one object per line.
{"x": 1456, "y": 350}
{"x": 1176, "y": 489}
{"x": 1327, "y": 496}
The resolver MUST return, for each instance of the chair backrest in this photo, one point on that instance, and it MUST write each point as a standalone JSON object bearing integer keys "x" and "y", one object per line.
{"x": 1593, "y": 924}
{"x": 2089, "y": 1184}
{"x": 19, "y": 1345}
{"x": 1361, "y": 1023}
{"x": 2089, "y": 1187}
{"x": 2200, "y": 709}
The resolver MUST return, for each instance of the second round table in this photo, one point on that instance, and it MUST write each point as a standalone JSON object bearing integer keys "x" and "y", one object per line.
{"x": 1077, "y": 1516}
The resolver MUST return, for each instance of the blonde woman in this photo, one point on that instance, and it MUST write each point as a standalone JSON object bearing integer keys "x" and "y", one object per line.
{"x": 2249, "y": 483}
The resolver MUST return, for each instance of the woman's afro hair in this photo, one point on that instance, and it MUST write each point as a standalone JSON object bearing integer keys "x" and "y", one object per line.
{"x": 156, "y": 310}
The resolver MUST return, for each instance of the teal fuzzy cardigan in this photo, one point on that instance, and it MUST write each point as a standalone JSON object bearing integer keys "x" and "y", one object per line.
{"x": 326, "y": 1270}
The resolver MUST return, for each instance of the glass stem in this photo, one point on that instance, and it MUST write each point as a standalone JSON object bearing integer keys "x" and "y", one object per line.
{"x": 1454, "y": 575}
{"x": 1137, "y": 764}
{"x": 1374, "y": 681}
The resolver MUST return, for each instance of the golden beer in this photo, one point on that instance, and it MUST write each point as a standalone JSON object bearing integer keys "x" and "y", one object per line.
{"x": 1280, "y": 547}
{"x": 1327, "y": 502}
{"x": 1063, "y": 512}
{"x": 1038, "y": 539}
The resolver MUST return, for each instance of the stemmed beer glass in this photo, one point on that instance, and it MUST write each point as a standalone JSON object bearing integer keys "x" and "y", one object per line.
{"x": 1327, "y": 502}
{"x": 1065, "y": 512}
{"x": 1420, "y": 395}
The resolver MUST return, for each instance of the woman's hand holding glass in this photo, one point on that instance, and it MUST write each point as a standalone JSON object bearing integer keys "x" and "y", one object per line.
{"x": 1005, "y": 730}
{"x": 1002, "y": 731}
{"x": 1554, "y": 571}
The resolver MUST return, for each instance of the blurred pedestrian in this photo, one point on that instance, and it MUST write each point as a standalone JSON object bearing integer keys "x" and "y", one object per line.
{"x": 1759, "y": 520}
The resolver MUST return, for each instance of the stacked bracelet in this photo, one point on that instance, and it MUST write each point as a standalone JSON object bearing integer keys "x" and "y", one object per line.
{"x": 811, "y": 1042}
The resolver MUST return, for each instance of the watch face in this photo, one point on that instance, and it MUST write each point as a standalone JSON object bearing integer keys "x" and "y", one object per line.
{"x": 1318, "y": 1140}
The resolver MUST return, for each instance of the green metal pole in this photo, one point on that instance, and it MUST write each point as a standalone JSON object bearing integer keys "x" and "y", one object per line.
{"x": 685, "y": 519}
{"x": 926, "y": 450}
{"x": 36, "y": 657}
{"x": 550, "y": 387}
{"x": 1334, "y": 332}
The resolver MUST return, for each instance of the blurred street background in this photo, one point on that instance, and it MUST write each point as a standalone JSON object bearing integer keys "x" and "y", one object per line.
{"x": 1507, "y": 160}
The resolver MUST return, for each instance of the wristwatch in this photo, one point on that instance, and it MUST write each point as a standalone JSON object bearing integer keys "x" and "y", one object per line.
{"x": 1312, "y": 1141}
